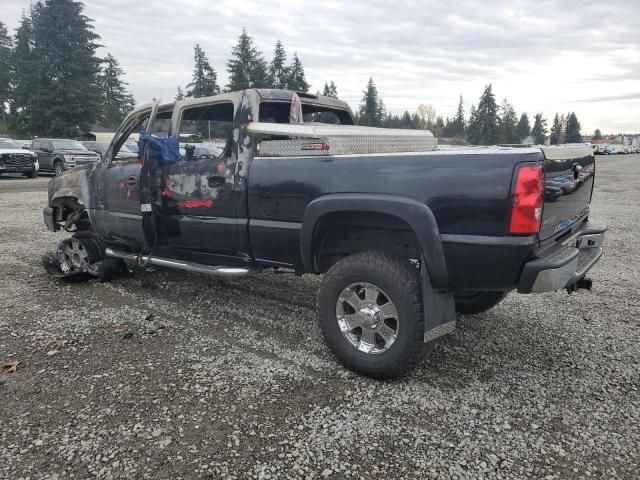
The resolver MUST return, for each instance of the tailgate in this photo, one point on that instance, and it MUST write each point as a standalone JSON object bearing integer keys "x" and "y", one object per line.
{"x": 569, "y": 173}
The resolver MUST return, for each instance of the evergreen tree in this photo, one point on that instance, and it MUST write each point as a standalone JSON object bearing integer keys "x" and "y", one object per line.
{"x": 438, "y": 127}
{"x": 6, "y": 70}
{"x": 278, "y": 71}
{"x": 562, "y": 138}
{"x": 573, "y": 134}
{"x": 205, "y": 81}
{"x": 556, "y": 130}
{"x": 539, "y": 130}
{"x": 330, "y": 90}
{"x": 25, "y": 83}
{"x": 415, "y": 120}
{"x": 458, "y": 123}
{"x": 508, "y": 124}
{"x": 116, "y": 101}
{"x": 372, "y": 111}
{"x": 597, "y": 135}
{"x": 66, "y": 99}
{"x": 247, "y": 67}
{"x": 524, "y": 127}
{"x": 472, "y": 131}
{"x": 486, "y": 119}
{"x": 179, "y": 94}
{"x": 296, "y": 80}
{"x": 407, "y": 121}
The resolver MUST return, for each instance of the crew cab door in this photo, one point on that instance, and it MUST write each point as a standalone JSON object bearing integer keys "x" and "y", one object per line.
{"x": 200, "y": 195}
{"x": 43, "y": 150}
{"x": 117, "y": 216}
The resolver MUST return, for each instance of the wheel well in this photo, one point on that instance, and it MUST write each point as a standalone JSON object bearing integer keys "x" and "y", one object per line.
{"x": 339, "y": 234}
{"x": 70, "y": 212}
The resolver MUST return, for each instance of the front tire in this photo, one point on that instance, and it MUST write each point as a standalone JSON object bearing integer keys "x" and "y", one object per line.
{"x": 472, "y": 302}
{"x": 370, "y": 311}
{"x": 58, "y": 168}
{"x": 76, "y": 254}
{"x": 33, "y": 174}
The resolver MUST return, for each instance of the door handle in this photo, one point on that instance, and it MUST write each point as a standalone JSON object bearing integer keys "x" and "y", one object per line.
{"x": 216, "y": 181}
{"x": 132, "y": 181}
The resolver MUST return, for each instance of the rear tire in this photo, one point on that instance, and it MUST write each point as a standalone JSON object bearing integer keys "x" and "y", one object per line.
{"x": 369, "y": 308}
{"x": 473, "y": 302}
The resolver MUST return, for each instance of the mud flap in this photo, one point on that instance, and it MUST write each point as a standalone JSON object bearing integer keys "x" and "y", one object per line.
{"x": 438, "y": 307}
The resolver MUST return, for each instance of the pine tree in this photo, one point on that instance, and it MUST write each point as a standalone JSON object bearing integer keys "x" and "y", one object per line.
{"x": 458, "y": 123}
{"x": 204, "y": 82}
{"x": 539, "y": 130}
{"x": 556, "y": 130}
{"x": 179, "y": 94}
{"x": 562, "y": 138}
{"x": 597, "y": 135}
{"x": 6, "y": 70}
{"x": 438, "y": 127}
{"x": 116, "y": 101}
{"x": 508, "y": 124}
{"x": 66, "y": 98}
{"x": 472, "y": 124}
{"x": 25, "y": 83}
{"x": 486, "y": 118}
{"x": 372, "y": 111}
{"x": 524, "y": 127}
{"x": 573, "y": 134}
{"x": 296, "y": 80}
{"x": 330, "y": 90}
{"x": 278, "y": 71}
{"x": 247, "y": 67}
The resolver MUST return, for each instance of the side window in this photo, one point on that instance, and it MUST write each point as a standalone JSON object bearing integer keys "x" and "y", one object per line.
{"x": 126, "y": 148}
{"x": 49, "y": 145}
{"x": 205, "y": 130}
{"x": 37, "y": 145}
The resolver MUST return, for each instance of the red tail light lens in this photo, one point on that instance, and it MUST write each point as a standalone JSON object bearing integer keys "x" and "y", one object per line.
{"x": 526, "y": 209}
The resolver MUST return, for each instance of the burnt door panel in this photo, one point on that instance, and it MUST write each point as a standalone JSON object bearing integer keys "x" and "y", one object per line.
{"x": 200, "y": 199}
{"x": 120, "y": 220}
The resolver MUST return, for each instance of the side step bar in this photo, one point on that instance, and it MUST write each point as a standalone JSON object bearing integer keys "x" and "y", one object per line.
{"x": 219, "y": 271}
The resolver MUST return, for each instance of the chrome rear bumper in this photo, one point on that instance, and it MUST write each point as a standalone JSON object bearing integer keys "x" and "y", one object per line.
{"x": 565, "y": 266}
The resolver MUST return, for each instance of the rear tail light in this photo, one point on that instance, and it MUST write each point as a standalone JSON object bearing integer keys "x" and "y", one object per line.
{"x": 526, "y": 207}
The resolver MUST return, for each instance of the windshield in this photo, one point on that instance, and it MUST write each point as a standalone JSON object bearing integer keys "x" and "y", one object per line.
{"x": 6, "y": 143}
{"x": 67, "y": 145}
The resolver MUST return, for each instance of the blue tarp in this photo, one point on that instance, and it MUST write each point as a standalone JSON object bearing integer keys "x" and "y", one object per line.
{"x": 161, "y": 150}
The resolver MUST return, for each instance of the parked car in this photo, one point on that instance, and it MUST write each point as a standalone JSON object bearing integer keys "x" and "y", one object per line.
{"x": 404, "y": 235}
{"x": 14, "y": 159}
{"x": 57, "y": 155}
{"x": 102, "y": 147}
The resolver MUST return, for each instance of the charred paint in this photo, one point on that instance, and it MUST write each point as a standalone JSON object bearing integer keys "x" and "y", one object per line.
{"x": 196, "y": 204}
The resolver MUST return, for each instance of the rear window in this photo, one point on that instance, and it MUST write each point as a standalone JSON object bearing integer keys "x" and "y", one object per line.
{"x": 278, "y": 112}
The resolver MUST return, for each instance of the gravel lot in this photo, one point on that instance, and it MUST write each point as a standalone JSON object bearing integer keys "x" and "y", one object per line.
{"x": 170, "y": 375}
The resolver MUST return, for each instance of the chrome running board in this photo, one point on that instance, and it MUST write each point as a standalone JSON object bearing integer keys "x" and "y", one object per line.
{"x": 220, "y": 271}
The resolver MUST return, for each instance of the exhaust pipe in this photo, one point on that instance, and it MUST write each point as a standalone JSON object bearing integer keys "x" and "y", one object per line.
{"x": 220, "y": 271}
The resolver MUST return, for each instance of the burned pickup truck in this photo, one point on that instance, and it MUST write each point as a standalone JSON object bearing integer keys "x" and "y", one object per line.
{"x": 405, "y": 235}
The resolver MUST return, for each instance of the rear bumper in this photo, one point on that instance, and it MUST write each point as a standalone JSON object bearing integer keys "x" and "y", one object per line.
{"x": 566, "y": 265}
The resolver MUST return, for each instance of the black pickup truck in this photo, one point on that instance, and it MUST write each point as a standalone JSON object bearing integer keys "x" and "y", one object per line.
{"x": 405, "y": 234}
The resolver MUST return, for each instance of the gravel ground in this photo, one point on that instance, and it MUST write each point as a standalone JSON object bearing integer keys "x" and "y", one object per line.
{"x": 169, "y": 375}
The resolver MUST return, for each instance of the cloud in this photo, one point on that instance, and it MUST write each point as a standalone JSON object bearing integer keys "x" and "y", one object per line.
{"x": 538, "y": 54}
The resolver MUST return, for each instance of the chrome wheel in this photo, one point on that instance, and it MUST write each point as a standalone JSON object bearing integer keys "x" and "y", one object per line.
{"x": 73, "y": 256}
{"x": 367, "y": 318}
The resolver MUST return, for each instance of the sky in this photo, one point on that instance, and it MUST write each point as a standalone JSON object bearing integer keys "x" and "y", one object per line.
{"x": 542, "y": 55}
